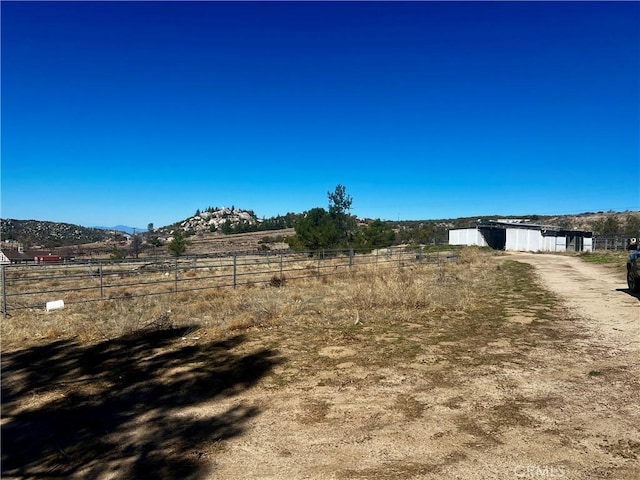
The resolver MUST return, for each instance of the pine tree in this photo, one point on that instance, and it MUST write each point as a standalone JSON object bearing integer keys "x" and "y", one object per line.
{"x": 178, "y": 245}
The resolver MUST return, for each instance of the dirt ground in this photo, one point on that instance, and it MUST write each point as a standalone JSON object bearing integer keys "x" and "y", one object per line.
{"x": 566, "y": 409}
{"x": 596, "y": 293}
{"x": 541, "y": 383}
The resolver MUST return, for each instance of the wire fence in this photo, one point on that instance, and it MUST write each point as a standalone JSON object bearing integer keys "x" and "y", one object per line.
{"x": 34, "y": 286}
{"x": 611, "y": 242}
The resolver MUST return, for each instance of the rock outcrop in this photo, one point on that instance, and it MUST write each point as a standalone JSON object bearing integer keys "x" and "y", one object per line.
{"x": 215, "y": 220}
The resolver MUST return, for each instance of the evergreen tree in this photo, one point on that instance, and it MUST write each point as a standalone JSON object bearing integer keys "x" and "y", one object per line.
{"x": 316, "y": 230}
{"x": 375, "y": 235}
{"x": 339, "y": 201}
{"x": 227, "y": 227}
{"x": 339, "y": 207}
{"x": 319, "y": 229}
{"x": 178, "y": 245}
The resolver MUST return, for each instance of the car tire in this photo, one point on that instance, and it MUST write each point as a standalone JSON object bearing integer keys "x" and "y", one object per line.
{"x": 632, "y": 281}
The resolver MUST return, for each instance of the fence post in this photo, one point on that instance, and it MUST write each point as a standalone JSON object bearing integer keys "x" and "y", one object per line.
{"x": 318, "y": 253}
{"x": 350, "y": 257}
{"x": 101, "y": 280}
{"x": 281, "y": 268}
{"x": 235, "y": 270}
{"x": 4, "y": 290}
{"x": 176, "y": 277}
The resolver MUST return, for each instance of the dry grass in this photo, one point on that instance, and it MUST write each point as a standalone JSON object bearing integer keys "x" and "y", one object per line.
{"x": 364, "y": 293}
{"x": 435, "y": 363}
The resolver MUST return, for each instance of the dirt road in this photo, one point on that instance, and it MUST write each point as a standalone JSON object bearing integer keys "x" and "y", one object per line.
{"x": 597, "y": 294}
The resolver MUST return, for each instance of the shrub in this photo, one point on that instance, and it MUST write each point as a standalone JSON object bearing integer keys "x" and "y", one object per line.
{"x": 277, "y": 281}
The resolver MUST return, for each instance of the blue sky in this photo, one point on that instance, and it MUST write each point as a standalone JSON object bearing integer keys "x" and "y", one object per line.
{"x": 138, "y": 112}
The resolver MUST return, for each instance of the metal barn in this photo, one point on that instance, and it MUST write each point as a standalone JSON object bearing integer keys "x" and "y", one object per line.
{"x": 524, "y": 237}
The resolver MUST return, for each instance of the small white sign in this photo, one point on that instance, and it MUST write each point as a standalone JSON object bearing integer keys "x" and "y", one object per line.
{"x": 54, "y": 305}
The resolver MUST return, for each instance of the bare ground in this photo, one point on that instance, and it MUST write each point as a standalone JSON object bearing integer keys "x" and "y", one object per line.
{"x": 596, "y": 293}
{"x": 540, "y": 381}
{"x": 565, "y": 406}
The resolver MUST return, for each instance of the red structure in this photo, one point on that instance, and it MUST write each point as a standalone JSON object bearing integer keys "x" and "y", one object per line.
{"x": 47, "y": 258}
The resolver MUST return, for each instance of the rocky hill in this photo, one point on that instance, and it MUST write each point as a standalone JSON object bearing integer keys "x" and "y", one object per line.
{"x": 213, "y": 220}
{"x": 53, "y": 234}
{"x": 50, "y": 234}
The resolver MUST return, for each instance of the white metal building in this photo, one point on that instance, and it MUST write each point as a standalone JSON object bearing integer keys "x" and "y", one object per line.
{"x": 526, "y": 237}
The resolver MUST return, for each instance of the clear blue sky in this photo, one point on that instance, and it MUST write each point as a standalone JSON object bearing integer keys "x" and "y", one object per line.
{"x": 138, "y": 112}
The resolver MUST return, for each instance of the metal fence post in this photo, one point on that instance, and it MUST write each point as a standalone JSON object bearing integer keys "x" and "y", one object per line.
{"x": 176, "y": 277}
{"x": 4, "y": 290}
{"x": 101, "y": 280}
{"x": 235, "y": 270}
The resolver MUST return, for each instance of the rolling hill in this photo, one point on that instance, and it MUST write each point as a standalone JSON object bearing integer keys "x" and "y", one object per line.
{"x": 227, "y": 221}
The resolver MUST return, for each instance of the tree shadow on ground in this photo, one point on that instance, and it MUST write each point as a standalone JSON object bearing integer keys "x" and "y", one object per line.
{"x": 117, "y": 408}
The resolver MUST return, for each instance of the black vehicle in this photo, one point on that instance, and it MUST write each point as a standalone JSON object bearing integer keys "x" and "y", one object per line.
{"x": 633, "y": 266}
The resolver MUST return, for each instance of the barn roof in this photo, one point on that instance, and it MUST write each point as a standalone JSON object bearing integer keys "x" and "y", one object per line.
{"x": 546, "y": 230}
{"x": 14, "y": 255}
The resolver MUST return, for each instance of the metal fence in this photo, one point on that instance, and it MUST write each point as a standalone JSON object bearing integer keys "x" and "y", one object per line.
{"x": 33, "y": 286}
{"x": 611, "y": 242}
